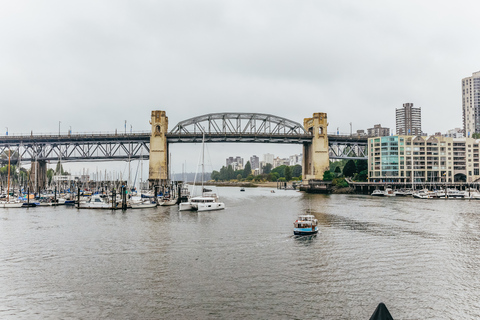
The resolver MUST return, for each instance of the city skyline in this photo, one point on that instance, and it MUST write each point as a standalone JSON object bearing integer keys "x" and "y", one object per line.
{"x": 88, "y": 67}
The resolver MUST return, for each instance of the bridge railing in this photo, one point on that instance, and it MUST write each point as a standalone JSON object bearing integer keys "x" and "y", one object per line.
{"x": 73, "y": 134}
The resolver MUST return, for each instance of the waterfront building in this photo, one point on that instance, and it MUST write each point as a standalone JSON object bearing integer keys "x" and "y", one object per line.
{"x": 416, "y": 159}
{"x": 408, "y": 120}
{"x": 378, "y": 131}
{"x": 254, "y": 162}
{"x": 471, "y": 104}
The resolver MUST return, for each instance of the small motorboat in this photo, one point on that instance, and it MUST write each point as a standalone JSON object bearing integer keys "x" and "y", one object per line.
{"x": 98, "y": 202}
{"x": 378, "y": 193}
{"x": 242, "y": 189}
{"x": 306, "y": 224}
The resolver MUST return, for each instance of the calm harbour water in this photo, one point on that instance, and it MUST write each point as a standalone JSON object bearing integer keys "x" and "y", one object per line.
{"x": 419, "y": 257}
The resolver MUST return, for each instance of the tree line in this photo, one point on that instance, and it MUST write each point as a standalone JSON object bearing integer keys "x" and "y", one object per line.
{"x": 280, "y": 173}
{"x": 357, "y": 170}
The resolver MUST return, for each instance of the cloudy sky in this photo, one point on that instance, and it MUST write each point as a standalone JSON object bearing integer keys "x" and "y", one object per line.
{"x": 94, "y": 64}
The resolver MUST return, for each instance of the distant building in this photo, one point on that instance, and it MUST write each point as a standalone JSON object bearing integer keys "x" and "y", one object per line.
{"x": 408, "y": 120}
{"x": 378, "y": 131}
{"x": 255, "y": 162}
{"x": 295, "y": 159}
{"x": 277, "y": 162}
{"x": 235, "y": 162}
{"x": 455, "y": 133}
{"x": 361, "y": 133}
{"x": 268, "y": 158}
{"x": 471, "y": 104}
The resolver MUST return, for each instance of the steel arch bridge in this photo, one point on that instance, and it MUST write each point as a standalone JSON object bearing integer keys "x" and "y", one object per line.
{"x": 214, "y": 127}
{"x": 239, "y": 127}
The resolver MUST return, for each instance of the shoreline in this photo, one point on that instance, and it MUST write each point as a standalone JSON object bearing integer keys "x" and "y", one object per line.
{"x": 269, "y": 184}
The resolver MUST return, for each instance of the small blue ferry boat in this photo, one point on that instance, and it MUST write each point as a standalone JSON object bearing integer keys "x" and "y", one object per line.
{"x": 306, "y": 224}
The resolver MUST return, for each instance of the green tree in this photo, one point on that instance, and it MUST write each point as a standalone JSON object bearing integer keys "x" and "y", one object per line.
{"x": 59, "y": 168}
{"x": 238, "y": 172}
{"x": 247, "y": 170}
{"x": 50, "y": 174}
{"x": 350, "y": 169}
{"x": 273, "y": 176}
{"x": 340, "y": 182}
{"x": 267, "y": 168}
{"x": 239, "y": 177}
{"x": 297, "y": 170}
{"x": 215, "y": 175}
{"x": 280, "y": 170}
{"x": 362, "y": 175}
{"x": 230, "y": 173}
{"x": 288, "y": 173}
{"x": 328, "y": 176}
{"x": 338, "y": 171}
{"x": 361, "y": 165}
{"x": 223, "y": 174}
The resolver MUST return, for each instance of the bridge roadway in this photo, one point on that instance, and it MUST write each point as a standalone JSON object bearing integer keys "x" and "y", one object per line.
{"x": 130, "y": 146}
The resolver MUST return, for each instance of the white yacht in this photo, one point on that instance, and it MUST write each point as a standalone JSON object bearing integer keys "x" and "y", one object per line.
{"x": 208, "y": 201}
{"x": 97, "y": 202}
{"x": 11, "y": 204}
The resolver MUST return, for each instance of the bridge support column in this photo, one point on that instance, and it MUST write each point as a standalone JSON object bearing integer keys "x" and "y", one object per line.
{"x": 38, "y": 175}
{"x": 158, "y": 163}
{"x": 315, "y": 155}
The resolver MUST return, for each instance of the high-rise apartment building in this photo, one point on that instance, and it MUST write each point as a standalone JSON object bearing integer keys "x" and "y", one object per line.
{"x": 471, "y": 104}
{"x": 235, "y": 162}
{"x": 268, "y": 158}
{"x": 255, "y": 162}
{"x": 408, "y": 120}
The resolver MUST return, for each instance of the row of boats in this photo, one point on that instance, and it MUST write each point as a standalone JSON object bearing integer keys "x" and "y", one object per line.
{"x": 447, "y": 193}
{"x": 207, "y": 201}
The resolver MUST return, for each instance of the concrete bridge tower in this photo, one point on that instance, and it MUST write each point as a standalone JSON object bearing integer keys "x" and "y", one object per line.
{"x": 158, "y": 164}
{"x": 315, "y": 155}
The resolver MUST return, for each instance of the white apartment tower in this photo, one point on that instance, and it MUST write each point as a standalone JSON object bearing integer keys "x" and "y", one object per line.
{"x": 471, "y": 104}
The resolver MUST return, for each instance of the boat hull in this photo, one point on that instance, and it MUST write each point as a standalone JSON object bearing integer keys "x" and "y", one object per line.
{"x": 143, "y": 205}
{"x": 168, "y": 202}
{"x": 11, "y": 205}
{"x": 305, "y": 231}
{"x": 209, "y": 206}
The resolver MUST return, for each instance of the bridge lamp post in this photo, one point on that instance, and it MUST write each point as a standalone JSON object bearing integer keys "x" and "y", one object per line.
{"x": 59, "y": 127}
{"x": 7, "y": 131}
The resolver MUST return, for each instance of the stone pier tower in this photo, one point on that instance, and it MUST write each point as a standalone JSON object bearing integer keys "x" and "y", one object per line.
{"x": 158, "y": 164}
{"x": 38, "y": 176}
{"x": 315, "y": 155}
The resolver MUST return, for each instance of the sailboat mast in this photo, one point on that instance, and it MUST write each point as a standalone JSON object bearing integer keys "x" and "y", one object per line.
{"x": 203, "y": 159}
{"x": 8, "y": 183}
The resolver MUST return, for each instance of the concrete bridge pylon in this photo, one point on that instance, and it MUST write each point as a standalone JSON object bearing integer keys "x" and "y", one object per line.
{"x": 316, "y": 159}
{"x": 158, "y": 163}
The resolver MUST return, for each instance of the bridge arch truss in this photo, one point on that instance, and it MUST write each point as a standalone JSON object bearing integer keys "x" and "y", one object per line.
{"x": 239, "y": 127}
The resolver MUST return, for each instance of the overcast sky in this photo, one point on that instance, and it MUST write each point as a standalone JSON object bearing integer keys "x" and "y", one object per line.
{"x": 94, "y": 64}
